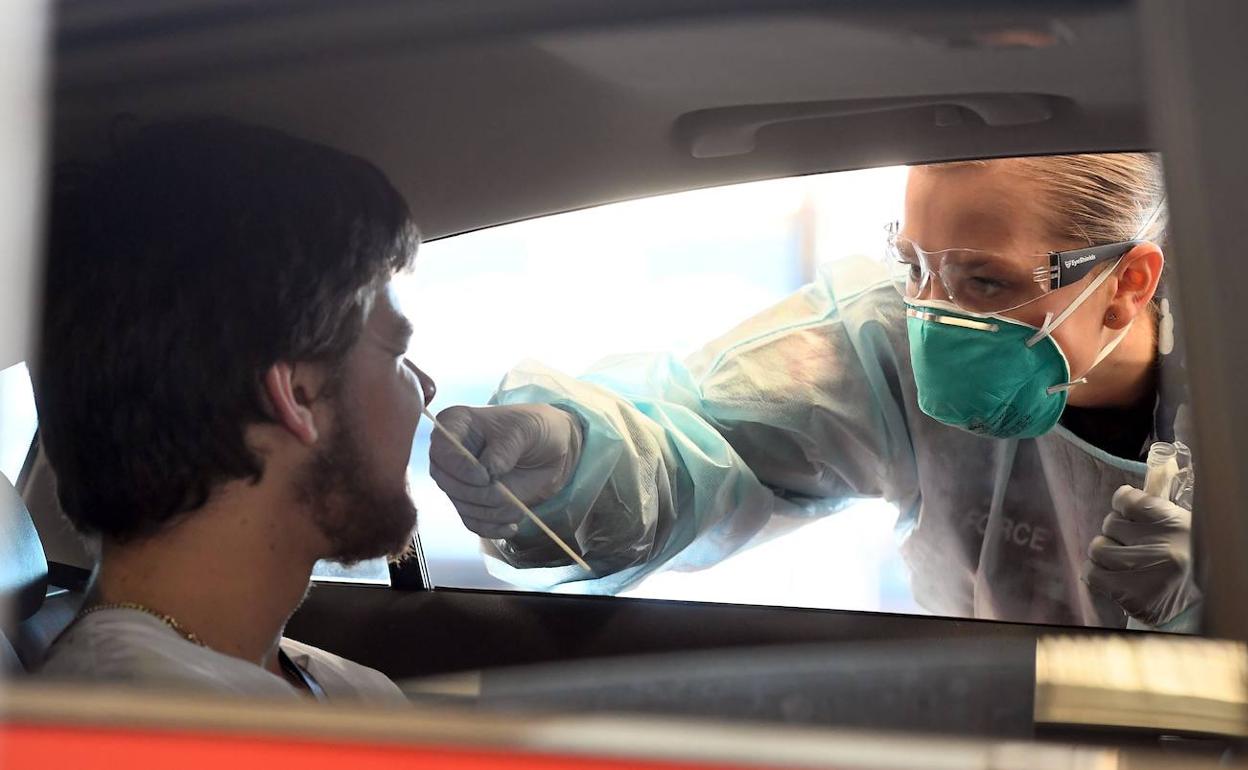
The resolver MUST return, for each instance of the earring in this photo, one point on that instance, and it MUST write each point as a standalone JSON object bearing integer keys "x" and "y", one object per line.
{"x": 1111, "y": 317}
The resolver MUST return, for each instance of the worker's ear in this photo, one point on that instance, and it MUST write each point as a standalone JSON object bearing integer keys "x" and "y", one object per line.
{"x": 1134, "y": 284}
{"x": 288, "y": 390}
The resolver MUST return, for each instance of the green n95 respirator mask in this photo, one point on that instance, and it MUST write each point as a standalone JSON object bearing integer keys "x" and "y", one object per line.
{"x": 989, "y": 374}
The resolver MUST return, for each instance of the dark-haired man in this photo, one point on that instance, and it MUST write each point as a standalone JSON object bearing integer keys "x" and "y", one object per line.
{"x": 224, "y": 396}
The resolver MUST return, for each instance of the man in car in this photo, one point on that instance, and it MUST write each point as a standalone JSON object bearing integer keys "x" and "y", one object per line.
{"x": 224, "y": 396}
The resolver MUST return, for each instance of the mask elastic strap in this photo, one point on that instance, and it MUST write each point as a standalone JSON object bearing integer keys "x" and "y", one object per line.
{"x": 1104, "y": 354}
{"x": 1115, "y": 342}
{"x": 1051, "y": 322}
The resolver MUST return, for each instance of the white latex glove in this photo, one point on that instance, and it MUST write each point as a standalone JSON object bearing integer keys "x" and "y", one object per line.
{"x": 1143, "y": 557}
{"x": 531, "y": 448}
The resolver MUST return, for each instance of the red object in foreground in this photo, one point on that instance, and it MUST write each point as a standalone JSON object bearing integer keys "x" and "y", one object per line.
{"x": 40, "y": 747}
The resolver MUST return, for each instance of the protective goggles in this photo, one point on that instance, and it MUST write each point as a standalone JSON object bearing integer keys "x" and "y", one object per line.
{"x": 986, "y": 282}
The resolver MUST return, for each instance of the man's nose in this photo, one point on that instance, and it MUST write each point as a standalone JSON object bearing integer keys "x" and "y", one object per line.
{"x": 427, "y": 386}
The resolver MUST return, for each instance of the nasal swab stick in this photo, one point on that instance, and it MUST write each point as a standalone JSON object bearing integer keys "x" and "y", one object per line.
{"x": 507, "y": 492}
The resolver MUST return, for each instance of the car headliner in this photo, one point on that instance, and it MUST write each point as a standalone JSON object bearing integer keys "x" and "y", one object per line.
{"x": 490, "y": 112}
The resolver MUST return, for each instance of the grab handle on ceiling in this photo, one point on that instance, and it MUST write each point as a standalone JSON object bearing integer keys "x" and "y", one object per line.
{"x": 725, "y": 131}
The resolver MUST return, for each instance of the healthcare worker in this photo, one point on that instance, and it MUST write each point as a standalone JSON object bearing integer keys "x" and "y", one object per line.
{"x": 1002, "y": 391}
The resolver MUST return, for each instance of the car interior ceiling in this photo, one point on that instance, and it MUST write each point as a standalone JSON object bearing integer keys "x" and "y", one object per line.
{"x": 599, "y": 107}
{"x": 589, "y": 111}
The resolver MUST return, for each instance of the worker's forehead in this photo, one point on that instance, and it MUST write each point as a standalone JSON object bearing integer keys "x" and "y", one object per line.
{"x": 982, "y": 207}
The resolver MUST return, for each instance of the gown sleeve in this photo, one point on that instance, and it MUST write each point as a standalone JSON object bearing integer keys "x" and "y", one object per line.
{"x": 792, "y": 413}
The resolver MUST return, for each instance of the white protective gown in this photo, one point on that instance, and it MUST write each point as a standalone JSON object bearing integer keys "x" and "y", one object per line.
{"x": 794, "y": 412}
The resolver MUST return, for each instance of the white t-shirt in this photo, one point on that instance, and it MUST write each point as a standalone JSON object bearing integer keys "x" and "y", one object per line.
{"x": 126, "y": 646}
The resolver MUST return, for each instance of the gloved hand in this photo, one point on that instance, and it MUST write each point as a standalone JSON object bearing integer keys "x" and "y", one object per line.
{"x": 531, "y": 448}
{"x": 1143, "y": 557}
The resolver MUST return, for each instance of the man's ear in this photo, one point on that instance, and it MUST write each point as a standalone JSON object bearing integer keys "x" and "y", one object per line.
{"x": 1139, "y": 272}
{"x": 291, "y": 403}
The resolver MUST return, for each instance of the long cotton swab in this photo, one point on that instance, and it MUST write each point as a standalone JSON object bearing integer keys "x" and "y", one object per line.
{"x": 507, "y": 492}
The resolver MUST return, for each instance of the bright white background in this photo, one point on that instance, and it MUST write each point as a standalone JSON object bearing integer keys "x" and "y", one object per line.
{"x": 661, "y": 274}
{"x": 17, "y": 420}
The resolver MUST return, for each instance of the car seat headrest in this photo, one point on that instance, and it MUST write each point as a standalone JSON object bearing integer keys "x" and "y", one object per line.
{"x": 23, "y": 568}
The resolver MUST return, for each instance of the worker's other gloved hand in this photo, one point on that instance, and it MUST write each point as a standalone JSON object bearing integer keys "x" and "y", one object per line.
{"x": 1143, "y": 557}
{"x": 533, "y": 449}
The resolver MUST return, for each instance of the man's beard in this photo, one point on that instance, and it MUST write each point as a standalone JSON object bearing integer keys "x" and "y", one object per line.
{"x": 360, "y": 519}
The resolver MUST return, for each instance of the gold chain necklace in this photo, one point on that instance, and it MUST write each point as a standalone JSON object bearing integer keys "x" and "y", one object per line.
{"x": 166, "y": 619}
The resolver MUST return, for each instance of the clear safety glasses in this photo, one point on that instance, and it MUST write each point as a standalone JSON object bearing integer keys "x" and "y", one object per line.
{"x": 986, "y": 282}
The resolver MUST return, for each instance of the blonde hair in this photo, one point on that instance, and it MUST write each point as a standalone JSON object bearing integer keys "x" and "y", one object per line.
{"x": 1102, "y": 198}
{"x": 1095, "y": 198}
